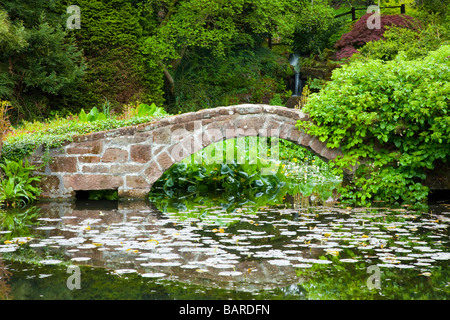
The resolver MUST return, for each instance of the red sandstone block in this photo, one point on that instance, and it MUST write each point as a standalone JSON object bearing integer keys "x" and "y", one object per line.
{"x": 89, "y": 147}
{"x": 124, "y": 168}
{"x": 165, "y": 161}
{"x": 88, "y": 159}
{"x": 115, "y": 155}
{"x": 134, "y": 193}
{"x": 153, "y": 173}
{"x": 92, "y": 182}
{"x": 137, "y": 182}
{"x": 317, "y": 146}
{"x": 98, "y": 168}
{"x": 50, "y": 184}
{"x": 141, "y": 153}
{"x": 63, "y": 164}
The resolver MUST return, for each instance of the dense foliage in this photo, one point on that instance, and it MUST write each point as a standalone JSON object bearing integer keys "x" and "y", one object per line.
{"x": 232, "y": 178}
{"x": 22, "y": 142}
{"x": 39, "y": 61}
{"x": 391, "y": 118}
{"x": 18, "y": 186}
{"x": 360, "y": 34}
{"x": 411, "y": 42}
{"x": 189, "y": 54}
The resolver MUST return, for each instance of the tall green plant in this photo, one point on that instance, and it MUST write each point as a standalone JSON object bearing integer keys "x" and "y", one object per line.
{"x": 93, "y": 115}
{"x": 4, "y": 123}
{"x": 18, "y": 188}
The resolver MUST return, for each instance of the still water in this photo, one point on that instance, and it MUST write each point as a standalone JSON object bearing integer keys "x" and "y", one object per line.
{"x": 286, "y": 251}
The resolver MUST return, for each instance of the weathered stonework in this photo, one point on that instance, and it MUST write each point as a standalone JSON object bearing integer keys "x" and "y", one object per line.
{"x": 131, "y": 159}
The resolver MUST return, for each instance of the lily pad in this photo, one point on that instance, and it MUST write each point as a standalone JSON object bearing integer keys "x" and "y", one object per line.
{"x": 153, "y": 275}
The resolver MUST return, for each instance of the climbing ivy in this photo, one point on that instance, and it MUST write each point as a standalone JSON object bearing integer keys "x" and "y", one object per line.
{"x": 390, "y": 118}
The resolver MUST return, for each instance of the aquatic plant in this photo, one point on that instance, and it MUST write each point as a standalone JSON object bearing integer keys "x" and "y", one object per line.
{"x": 15, "y": 222}
{"x": 18, "y": 187}
{"x": 241, "y": 181}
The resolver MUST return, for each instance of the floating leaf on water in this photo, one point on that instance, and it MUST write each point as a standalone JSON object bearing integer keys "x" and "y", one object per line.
{"x": 302, "y": 265}
{"x": 386, "y": 265}
{"x": 50, "y": 261}
{"x": 123, "y": 271}
{"x": 153, "y": 275}
{"x": 404, "y": 266}
{"x": 440, "y": 256}
{"x": 222, "y": 266}
{"x": 161, "y": 264}
{"x": 7, "y": 248}
{"x": 321, "y": 261}
{"x": 279, "y": 262}
{"x": 230, "y": 273}
{"x": 405, "y": 258}
{"x": 80, "y": 259}
{"x": 333, "y": 252}
{"x": 189, "y": 266}
{"x": 288, "y": 233}
{"x": 87, "y": 246}
{"x": 45, "y": 228}
{"x": 422, "y": 264}
{"x": 37, "y": 245}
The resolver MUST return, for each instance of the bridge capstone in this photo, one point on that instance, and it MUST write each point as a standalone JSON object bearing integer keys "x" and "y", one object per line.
{"x": 132, "y": 159}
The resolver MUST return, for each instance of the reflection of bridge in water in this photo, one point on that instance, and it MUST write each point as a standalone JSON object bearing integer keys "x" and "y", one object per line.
{"x": 135, "y": 237}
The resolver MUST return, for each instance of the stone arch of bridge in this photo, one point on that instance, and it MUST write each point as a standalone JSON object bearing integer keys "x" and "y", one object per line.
{"x": 132, "y": 159}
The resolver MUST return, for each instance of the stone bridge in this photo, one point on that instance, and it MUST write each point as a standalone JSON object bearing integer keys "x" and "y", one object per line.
{"x": 131, "y": 159}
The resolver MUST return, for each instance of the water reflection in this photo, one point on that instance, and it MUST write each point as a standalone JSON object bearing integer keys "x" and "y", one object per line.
{"x": 250, "y": 249}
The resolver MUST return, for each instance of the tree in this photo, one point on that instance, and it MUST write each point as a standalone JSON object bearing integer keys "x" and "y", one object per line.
{"x": 38, "y": 59}
{"x": 218, "y": 26}
{"x": 111, "y": 34}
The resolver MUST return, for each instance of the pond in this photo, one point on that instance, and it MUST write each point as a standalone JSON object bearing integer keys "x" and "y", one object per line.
{"x": 289, "y": 250}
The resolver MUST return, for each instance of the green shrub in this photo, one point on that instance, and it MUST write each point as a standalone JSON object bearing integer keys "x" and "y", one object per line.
{"x": 18, "y": 188}
{"x": 413, "y": 43}
{"x": 394, "y": 114}
{"x": 39, "y": 61}
{"x": 18, "y": 222}
{"x": 277, "y": 100}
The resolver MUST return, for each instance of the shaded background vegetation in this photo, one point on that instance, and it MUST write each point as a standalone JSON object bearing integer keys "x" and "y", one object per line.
{"x": 185, "y": 55}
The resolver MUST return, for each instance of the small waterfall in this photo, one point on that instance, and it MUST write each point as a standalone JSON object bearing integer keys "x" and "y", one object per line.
{"x": 297, "y": 84}
{"x": 293, "y": 61}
